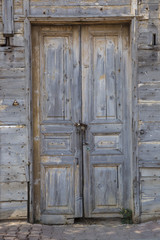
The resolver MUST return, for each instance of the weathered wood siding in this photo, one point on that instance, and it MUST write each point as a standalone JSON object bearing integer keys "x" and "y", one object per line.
{"x": 14, "y": 116}
{"x": 13, "y": 121}
{"x": 149, "y": 108}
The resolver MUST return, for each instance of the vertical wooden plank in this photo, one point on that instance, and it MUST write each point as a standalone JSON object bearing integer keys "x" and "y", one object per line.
{"x": 111, "y": 78}
{"x": 134, "y": 5}
{"x": 86, "y": 113}
{"x": 135, "y": 171}
{"x": 54, "y": 80}
{"x": 76, "y": 115}
{"x": 26, "y": 6}
{"x": 27, "y": 37}
{"x": 7, "y": 16}
{"x": 105, "y": 186}
{"x": 100, "y": 108}
{"x": 36, "y": 120}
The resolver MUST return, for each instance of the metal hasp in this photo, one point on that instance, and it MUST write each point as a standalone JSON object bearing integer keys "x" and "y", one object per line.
{"x": 7, "y": 16}
{"x": 81, "y": 125}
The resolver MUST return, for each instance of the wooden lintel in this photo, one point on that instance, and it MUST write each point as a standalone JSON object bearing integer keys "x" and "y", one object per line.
{"x": 7, "y": 17}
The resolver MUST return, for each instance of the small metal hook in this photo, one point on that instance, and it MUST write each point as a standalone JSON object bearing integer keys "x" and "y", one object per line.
{"x": 15, "y": 103}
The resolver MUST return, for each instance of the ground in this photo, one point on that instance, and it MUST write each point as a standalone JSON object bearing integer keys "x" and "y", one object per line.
{"x": 111, "y": 230}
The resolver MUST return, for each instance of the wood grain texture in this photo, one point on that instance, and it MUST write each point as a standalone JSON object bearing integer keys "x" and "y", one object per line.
{"x": 56, "y": 142}
{"x": 148, "y": 73}
{"x": 7, "y": 16}
{"x": 15, "y": 84}
{"x": 147, "y": 57}
{"x": 13, "y": 154}
{"x": 102, "y": 106}
{"x": 19, "y": 7}
{"x": 149, "y": 151}
{"x": 80, "y": 3}
{"x": 28, "y": 87}
{"x": 13, "y": 191}
{"x": 79, "y": 11}
{"x": 150, "y": 194}
{"x": 149, "y": 132}
{"x": 12, "y": 59}
{"x": 12, "y": 173}
{"x": 13, "y": 210}
{"x": 146, "y": 30}
{"x": 150, "y": 10}
{"x": 149, "y": 92}
{"x": 149, "y": 112}
{"x": 54, "y": 81}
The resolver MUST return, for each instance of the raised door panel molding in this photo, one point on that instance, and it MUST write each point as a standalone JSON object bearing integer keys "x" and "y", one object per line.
{"x": 106, "y": 188}
{"x": 57, "y": 189}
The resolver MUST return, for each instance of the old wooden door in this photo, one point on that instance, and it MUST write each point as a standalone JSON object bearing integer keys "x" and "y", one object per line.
{"x": 81, "y": 121}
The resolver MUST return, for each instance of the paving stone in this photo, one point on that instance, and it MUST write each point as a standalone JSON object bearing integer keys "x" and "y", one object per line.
{"x": 9, "y": 238}
{"x": 21, "y": 237}
{"x": 102, "y": 231}
{"x": 11, "y": 234}
{"x": 33, "y": 238}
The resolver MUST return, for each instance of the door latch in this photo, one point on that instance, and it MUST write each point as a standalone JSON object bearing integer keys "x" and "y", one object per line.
{"x": 81, "y": 125}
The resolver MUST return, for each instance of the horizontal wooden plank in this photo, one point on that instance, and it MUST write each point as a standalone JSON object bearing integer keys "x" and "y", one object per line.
{"x": 149, "y": 151}
{"x": 148, "y": 57}
{"x": 149, "y": 112}
{"x": 13, "y": 191}
{"x": 18, "y": 7}
{"x": 79, "y": 11}
{"x": 12, "y": 59}
{"x": 13, "y": 135}
{"x": 13, "y": 210}
{"x": 149, "y": 10}
{"x": 149, "y": 92}
{"x": 12, "y": 73}
{"x": 149, "y": 1}
{"x": 149, "y": 132}
{"x": 145, "y": 217}
{"x": 18, "y": 27}
{"x": 13, "y": 154}
{"x": 150, "y": 195}
{"x": 12, "y": 173}
{"x": 150, "y": 187}
{"x": 150, "y": 205}
{"x": 149, "y": 73}
{"x": 10, "y": 114}
{"x": 146, "y": 30}
{"x": 79, "y": 3}
{"x": 150, "y": 172}
{"x": 17, "y": 40}
{"x": 12, "y": 88}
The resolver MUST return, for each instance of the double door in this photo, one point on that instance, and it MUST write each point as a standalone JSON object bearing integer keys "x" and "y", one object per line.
{"x": 81, "y": 121}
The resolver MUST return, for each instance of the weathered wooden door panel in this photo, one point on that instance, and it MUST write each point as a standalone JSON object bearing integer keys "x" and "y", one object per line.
{"x": 56, "y": 94}
{"x": 105, "y": 111}
{"x": 80, "y": 75}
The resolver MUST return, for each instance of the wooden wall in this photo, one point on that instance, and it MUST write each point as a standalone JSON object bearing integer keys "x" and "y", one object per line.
{"x": 13, "y": 122}
{"x": 14, "y": 118}
{"x": 149, "y": 108}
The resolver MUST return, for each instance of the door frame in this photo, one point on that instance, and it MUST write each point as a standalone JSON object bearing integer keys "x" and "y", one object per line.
{"x": 132, "y": 77}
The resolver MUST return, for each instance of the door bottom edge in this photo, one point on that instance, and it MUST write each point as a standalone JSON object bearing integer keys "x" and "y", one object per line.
{"x": 56, "y": 220}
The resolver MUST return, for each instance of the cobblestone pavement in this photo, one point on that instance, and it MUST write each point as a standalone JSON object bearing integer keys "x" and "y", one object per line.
{"x": 111, "y": 230}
